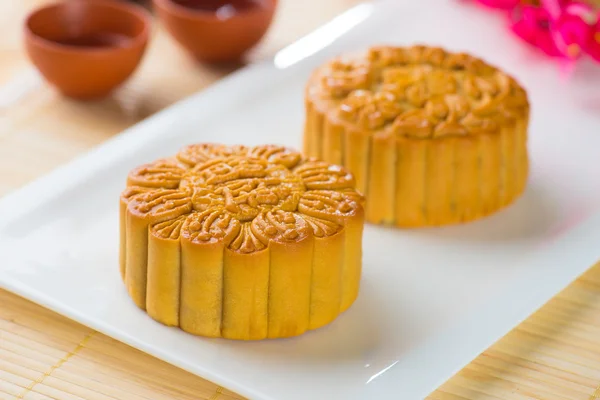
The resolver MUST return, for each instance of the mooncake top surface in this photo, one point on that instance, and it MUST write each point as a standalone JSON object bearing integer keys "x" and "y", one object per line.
{"x": 417, "y": 92}
{"x": 242, "y": 197}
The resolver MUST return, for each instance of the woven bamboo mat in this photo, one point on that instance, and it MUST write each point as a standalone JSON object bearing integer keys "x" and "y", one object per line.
{"x": 553, "y": 355}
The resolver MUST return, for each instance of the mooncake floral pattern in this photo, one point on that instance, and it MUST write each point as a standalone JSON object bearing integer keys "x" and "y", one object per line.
{"x": 423, "y": 92}
{"x": 222, "y": 187}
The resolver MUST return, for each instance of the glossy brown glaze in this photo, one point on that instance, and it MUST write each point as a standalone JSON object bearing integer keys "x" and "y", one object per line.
{"x": 222, "y": 31}
{"x": 87, "y": 48}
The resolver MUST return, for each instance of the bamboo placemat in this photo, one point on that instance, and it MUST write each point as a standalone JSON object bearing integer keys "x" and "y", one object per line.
{"x": 553, "y": 355}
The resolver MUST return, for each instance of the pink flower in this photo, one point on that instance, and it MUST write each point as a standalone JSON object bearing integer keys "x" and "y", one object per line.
{"x": 571, "y": 34}
{"x": 532, "y": 24}
{"x": 571, "y": 30}
{"x": 593, "y": 45}
{"x": 501, "y": 4}
{"x": 560, "y": 28}
{"x": 582, "y": 9}
{"x": 553, "y": 7}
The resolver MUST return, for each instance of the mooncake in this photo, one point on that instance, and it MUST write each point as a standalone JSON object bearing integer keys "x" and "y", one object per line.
{"x": 432, "y": 137}
{"x": 241, "y": 242}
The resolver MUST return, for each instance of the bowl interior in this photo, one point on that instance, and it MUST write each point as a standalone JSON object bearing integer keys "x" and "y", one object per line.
{"x": 216, "y": 5}
{"x": 87, "y": 24}
{"x": 220, "y": 9}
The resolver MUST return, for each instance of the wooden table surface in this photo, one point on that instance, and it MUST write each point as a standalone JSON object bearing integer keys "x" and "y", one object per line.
{"x": 553, "y": 355}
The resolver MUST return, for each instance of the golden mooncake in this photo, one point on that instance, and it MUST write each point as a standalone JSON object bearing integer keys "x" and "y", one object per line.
{"x": 241, "y": 243}
{"x": 432, "y": 137}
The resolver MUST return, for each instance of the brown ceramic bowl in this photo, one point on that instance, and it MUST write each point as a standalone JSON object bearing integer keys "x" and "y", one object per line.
{"x": 87, "y": 48}
{"x": 213, "y": 32}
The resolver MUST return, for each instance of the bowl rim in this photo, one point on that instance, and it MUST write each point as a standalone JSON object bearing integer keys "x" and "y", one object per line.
{"x": 134, "y": 10}
{"x": 186, "y": 12}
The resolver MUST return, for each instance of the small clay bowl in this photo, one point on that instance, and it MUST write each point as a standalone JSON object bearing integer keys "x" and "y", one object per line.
{"x": 87, "y": 48}
{"x": 216, "y": 30}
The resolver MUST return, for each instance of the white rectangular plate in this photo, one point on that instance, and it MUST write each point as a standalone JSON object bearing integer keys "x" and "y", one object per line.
{"x": 431, "y": 299}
